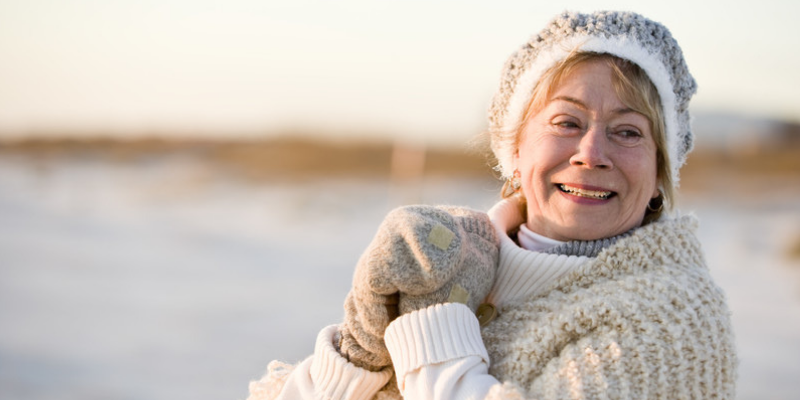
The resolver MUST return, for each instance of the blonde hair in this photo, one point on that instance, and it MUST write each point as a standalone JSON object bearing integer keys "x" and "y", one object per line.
{"x": 634, "y": 89}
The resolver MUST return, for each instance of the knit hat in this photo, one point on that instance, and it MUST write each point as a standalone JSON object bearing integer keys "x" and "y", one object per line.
{"x": 627, "y": 35}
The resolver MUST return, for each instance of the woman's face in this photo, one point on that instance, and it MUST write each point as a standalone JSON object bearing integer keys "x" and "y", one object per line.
{"x": 587, "y": 161}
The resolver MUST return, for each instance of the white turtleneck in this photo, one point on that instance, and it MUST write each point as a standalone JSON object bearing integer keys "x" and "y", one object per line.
{"x": 523, "y": 272}
{"x": 532, "y": 241}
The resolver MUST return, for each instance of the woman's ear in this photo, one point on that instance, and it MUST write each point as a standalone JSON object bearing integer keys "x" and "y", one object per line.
{"x": 657, "y": 191}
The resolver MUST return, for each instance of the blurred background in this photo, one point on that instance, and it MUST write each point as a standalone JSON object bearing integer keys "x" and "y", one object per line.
{"x": 185, "y": 186}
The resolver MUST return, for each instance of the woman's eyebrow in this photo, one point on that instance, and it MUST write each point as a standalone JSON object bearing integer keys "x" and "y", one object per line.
{"x": 571, "y": 100}
{"x": 582, "y": 105}
{"x": 625, "y": 110}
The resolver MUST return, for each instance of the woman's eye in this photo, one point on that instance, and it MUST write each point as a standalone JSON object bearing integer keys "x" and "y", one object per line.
{"x": 566, "y": 127}
{"x": 628, "y": 136}
{"x": 630, "y": 133}
{"x": 566, "y": 124}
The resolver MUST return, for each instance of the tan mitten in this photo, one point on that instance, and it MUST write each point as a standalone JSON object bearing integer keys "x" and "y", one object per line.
{"x": 457, "y": 256}
{"x": 420, "y": 256}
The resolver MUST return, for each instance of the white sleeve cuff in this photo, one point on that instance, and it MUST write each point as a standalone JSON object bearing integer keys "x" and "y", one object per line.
{"x": 336, "y": 378}
{"x": 437, "y": 334}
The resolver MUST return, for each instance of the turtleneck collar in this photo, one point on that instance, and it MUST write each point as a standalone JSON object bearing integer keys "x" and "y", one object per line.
{"x": 530, "y": 240}
{"x": 526, "y": 271}
{"x": 507, "y": 218}
{"x": 522, "y": 273}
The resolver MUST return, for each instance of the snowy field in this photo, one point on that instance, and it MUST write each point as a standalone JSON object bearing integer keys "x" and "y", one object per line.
{"x": 163, "y": 280}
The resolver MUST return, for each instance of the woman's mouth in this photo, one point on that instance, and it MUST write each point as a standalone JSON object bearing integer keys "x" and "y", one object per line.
{"x": 590, "y": 194}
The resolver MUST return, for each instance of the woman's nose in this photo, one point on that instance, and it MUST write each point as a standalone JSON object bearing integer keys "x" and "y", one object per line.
{"x": 592, "y": 151}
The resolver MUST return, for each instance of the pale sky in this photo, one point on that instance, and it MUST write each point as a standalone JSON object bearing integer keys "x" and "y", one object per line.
{"x": 424, "y": 70}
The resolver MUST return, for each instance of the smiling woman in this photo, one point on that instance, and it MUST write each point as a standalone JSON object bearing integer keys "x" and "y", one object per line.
{"x": 580, "y": 283}
{"x": 587, "y": 160}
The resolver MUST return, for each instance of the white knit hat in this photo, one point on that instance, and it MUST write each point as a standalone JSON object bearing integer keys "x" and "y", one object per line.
{"x": 627, "y": 35}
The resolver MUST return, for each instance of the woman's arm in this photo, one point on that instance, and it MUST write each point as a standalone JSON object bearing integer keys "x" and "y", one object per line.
{"x": 438, "y": 354}
{"x": 325, "y": 374}
{"x": 421, "y": 255}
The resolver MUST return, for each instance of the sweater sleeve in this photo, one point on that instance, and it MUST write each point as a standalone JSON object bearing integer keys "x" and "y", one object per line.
{"x": 438, "y": 353}
{"x": 326, "y": 375}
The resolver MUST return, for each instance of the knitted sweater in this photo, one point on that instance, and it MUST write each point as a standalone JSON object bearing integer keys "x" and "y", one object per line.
{"x": 643, "y": 319}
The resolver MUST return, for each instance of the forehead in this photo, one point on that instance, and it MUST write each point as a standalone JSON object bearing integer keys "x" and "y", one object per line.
{"x": 589, "y": 85}
{"x": 592, "y": 76}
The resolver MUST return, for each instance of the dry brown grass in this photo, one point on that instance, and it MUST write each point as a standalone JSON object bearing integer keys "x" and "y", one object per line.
{"x": 753, "y": 174}
{"x": 793, "y": 250}
{"x": 254, "y": 159}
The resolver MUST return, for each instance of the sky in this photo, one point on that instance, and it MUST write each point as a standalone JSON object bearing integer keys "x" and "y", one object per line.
{"x": 414, "y": 70}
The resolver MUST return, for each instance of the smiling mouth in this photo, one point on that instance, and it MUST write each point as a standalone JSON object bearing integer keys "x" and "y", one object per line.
{"x": 590, "y": 194}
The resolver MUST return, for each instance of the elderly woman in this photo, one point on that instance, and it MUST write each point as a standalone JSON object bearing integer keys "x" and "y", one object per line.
{"x": 580, "y": 283}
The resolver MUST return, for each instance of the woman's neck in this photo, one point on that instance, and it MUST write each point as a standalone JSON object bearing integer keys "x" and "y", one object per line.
{"x": 507, "y": 217}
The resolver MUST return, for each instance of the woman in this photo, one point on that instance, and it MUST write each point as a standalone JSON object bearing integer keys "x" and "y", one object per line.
{"x": 578, "y": 284}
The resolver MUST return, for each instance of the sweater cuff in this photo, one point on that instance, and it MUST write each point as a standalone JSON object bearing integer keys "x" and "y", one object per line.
{"x": 439, "y": 333}
{"x": 336, "y": 378}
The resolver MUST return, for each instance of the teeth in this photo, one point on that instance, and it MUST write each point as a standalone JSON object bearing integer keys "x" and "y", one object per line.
{"x": 592, "y": 194}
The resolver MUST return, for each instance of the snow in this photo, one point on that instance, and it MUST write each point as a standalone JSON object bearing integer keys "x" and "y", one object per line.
{"x": 166, "y": 279}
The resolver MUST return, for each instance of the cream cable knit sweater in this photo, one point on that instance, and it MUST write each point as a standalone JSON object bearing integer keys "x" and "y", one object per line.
{"x": 641, "y": 320}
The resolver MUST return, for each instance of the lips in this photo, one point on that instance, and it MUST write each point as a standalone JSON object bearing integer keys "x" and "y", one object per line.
{"x": 587, "y": 193}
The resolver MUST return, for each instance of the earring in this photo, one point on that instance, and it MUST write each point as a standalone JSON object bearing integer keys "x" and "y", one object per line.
{"x": 512, "y": 184}
{"x": 656, "y": 204}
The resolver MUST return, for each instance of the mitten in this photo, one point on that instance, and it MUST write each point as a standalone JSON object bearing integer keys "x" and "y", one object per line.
{"x": 457, "y": 255}
{"x": 421, "y": 255}
{"x": 367, "y": 314}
